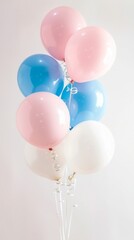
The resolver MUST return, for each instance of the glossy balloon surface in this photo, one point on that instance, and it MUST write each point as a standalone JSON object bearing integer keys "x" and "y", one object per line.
{"x": 57, "y": 27}
{"x": 43, "y": 119}
{"x": 85, "y": 101}
{"x": 89, "y": 54}
{"x": 40, "y": 73}
{"x": 41, "y": 162}
{"x": 89, "y": 147}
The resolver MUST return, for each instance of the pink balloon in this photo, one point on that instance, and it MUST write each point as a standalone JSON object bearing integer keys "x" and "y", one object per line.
{"x": 57, "y": 27}
{"x": 43, "y": 119}
{"x": 89, "y": 54}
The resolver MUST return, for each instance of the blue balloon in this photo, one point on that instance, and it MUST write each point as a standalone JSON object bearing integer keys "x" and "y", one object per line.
{"x": 85, "y": 101}
{"x": 40, "y": 73}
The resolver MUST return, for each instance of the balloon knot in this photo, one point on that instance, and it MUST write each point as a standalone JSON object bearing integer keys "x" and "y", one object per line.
{"x": 71, "y": 177}
{"x": 72, "y": 81}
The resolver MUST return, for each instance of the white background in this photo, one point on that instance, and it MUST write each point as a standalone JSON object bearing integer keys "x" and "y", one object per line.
{"x": 106, "y": 200}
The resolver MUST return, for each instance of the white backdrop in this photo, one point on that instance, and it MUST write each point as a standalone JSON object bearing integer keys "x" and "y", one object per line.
{"x": 106, "y": 200}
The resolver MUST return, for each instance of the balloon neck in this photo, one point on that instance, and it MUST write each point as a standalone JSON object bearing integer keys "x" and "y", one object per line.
{"x": 71, "y": 177}
{"x": 50, "y": 149}
{"x": 71, "y": 128}
{"x": 72, "y": 81}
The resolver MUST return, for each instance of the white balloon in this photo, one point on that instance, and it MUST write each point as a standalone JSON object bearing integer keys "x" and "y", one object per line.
{"x": 89, "y": 147}
{"x": 43, "y": 162}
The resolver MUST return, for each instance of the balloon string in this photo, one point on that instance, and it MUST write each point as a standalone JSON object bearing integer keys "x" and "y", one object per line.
{"x": 70, "y": 98}
{"x": 66, "y": 187}
{"x": 56, "y": 199}
{"x": 70, "y": 198}
{"x": 66, "y": 202}
{"x": 59, "y": 207}
{"x": 54, "y": 158}
{"x": 62, "y": 215}
{"x": 67, "y": 77}
{"x": 65, "y": 190}
{"x": 67, "y": 208}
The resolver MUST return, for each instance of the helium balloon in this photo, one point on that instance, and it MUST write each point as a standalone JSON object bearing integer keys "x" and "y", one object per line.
{"x": 45, "y": 163}
{"x": 85, "y": 101}
{"x": 43, "y": 119}
{"x": 89, "y": 147}
{"x": 40, "y": 73}
{"x": 89, "y": 54}
{"x": 57, "y": 27}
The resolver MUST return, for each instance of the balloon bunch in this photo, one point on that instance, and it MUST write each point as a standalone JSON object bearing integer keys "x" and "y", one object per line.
{"x": 61, "y": 123}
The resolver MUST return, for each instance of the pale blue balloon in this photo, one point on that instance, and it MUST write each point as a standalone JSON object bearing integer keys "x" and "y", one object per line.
{"x": 85, "y": 101}
{"x": 40, "y": 73}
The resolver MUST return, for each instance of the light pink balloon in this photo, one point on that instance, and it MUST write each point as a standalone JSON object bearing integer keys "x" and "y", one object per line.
{"x": 89, "y": 54}
{"x": 43, "y": 119}
{"x": 57, "y": 27}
